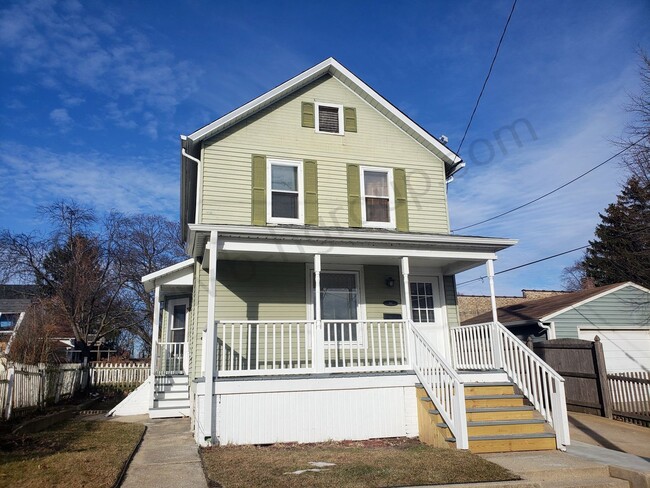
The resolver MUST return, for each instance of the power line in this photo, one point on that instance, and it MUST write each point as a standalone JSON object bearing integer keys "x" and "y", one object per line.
{"x": 525, "y": 264}
{"x": 478, "y": 100}
{"x": 555, "y": 190}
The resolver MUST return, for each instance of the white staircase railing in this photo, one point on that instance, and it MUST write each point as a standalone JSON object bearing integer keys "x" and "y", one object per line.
{"x": 443, "y": 385}
{"x": 492, "y": 346}
{"x": 169, "y": 358}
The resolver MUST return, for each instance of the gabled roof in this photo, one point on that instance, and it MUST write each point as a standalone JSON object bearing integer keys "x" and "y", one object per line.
{"x": 332, "y": 67}
{"x": 182, "y": 268}
{"x": 546, "y": 308}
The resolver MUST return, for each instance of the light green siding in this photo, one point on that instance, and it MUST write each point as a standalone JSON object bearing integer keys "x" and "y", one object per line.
{"x": 451, "y": 301}
{"x": 277, "y": 132}
{"x": 377, "y": 292}
{"x": 628, "y": 308}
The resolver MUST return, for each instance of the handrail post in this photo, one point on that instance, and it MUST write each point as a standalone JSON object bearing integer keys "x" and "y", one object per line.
{"x": 559, "y": 413}
{"x": 460, "y": 416}
{"x": 154, "y": 344}
{"x": 497, "y": 345}
{"x": 318, "y": 336}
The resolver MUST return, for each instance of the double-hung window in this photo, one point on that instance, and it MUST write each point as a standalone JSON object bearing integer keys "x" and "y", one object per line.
{"x": 377, "y": 197}
{"x": 329, "y": 118}
{"x": 284, "y": 192}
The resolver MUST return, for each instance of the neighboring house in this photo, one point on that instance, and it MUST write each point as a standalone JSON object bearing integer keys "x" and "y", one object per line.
{"x": 619, "y": 314}
{"x": 14, "y": 302}
{"x": 320, "y": 288}
{"x": 470, "y": 306}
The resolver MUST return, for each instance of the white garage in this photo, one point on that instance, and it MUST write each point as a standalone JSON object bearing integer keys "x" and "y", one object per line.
{"x": 625, "y": 349}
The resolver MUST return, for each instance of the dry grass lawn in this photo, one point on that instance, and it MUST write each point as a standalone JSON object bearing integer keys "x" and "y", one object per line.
{"x": 73, "y": 454}
{"x": 397, "y": 462}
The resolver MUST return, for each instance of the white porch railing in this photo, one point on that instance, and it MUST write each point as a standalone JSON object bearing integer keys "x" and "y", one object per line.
{"x": 492, "y": 346}
{"x": 247, "y": 348}
{"x": 169, "y": 359}
{"x": 443, "y": 385}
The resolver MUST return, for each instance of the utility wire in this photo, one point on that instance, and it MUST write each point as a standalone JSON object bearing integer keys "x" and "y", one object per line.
{"x": 555, "y": 190}
{"x": 478, "y": 100}
{"x": 525, "y": 264}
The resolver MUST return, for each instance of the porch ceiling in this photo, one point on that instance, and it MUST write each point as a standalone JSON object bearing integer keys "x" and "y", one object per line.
{"x": 450, "y": 254}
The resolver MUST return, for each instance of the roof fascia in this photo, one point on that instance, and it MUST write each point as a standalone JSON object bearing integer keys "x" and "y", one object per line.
{"x": 168, "y": 270}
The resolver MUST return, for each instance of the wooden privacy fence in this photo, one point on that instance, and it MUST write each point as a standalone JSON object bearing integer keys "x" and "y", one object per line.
{"x": 631, "y": 396}
{"x": 582, "y": 365}
{"x": 27, "y": 386}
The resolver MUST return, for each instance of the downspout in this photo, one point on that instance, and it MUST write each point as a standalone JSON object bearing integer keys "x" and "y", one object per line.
{"x": 550, "y": 329}
{"x": 199, "y": 179}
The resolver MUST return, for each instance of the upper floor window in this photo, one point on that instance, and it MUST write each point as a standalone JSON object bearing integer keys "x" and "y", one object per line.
{"x": 329, "y": 118}
{"x": 377, "y": 197}
{"x": 284, "y": 192}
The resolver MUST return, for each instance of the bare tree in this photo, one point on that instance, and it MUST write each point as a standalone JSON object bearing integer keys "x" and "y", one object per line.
{"x": 89, "y": 270}
{"x": 574, "y": 277}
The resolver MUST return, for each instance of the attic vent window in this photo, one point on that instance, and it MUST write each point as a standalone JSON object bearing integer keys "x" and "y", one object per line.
{"x": 329, "y": 118}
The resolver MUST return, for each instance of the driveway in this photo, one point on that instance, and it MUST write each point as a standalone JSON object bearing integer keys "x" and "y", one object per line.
{"x": 611, "y": 434}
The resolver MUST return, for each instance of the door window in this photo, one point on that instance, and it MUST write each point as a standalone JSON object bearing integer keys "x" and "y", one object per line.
{"x": 422, "y": 302}
{"x": 339, "y": 297}
{"x": 177, "y": 325}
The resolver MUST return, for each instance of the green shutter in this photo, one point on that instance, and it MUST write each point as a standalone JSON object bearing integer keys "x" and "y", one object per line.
{"x": 310, "y": 170}
{"x": 258, "y": 180}
{"x": 401, "y": 202}
{"x": 354, "y": 196}
{"x": 350, "y": 119}
{"x": 308, "y": 115}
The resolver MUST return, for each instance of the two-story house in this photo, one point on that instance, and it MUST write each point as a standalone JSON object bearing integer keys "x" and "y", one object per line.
{"x": 319, "y": 300}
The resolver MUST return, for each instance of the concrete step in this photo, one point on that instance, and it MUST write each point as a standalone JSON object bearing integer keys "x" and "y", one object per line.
{"x": 167, "y": 413}
{"x": 585, "y": 483}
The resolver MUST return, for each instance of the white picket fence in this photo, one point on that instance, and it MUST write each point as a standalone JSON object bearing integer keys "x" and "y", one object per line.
{"x": 25, "y": 386}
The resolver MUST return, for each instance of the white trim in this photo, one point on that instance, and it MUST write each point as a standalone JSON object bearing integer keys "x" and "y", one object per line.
{"x": 338, "y": 71}
{"x": 591, "y": 298}
{"x": 391, "y": 197}
{"x": 404, "y": 237}
{"x": 317, "y": 106}
{"x": 269, "y": 192}
{"x": 325, "y": 249}
{"x": 311, "y": 383}
{"x": 149, "y": 280}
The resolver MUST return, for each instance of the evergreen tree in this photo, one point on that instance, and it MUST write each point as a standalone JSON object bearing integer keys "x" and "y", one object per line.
{"x": 621, "y": 250}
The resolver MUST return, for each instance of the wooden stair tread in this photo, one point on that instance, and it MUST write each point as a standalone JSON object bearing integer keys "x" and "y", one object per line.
{"x": 505, "y": 437}
{"x": 487, "y": 423}
{"x": 515, "y": 408}
{"x": 492, "y": 397}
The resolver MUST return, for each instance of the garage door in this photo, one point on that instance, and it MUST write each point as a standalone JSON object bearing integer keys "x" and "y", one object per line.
{"x": 625, "y": 349}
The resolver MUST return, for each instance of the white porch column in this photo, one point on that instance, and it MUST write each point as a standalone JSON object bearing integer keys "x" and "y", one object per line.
{"x": 209, "y": 420}
{"x": 318, "y": 339}
{"x": 406, "y": 308}
{"x": 496, "y": 342}
{"x": 493, "y": 300}
{"x": 406, "y": 287}
{"x": 154, "y": 343}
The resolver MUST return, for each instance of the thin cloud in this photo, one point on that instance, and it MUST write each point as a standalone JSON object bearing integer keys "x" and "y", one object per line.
{"x": 66, "y": 45}
{"x": 33, "y": 176}
{"x": 61, "y": 118}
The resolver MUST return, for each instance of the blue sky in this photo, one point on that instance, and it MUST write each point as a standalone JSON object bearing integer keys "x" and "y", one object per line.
{"x": 94, "y": 96}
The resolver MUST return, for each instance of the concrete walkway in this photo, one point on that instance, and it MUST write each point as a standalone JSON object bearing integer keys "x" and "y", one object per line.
{"x": 167, "y": 457}
{"x": 610, "y": 434}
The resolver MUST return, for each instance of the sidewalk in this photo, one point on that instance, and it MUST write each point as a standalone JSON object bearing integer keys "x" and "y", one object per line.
{"x": 167, "y": 457}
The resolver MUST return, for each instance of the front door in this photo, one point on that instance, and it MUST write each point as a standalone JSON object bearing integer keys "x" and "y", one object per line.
{"x": 176, "y": 334}
{"x": 426, "y": 309}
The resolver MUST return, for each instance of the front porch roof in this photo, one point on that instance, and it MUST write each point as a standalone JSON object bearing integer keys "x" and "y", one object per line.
{"x": 452, "y": 254}
{"x": 176, "y": 275}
